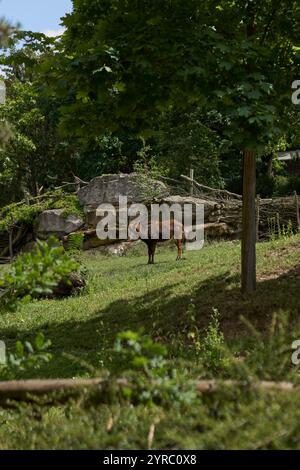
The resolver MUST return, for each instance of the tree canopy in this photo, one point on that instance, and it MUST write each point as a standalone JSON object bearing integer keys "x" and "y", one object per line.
{"x": 125, "y": 63}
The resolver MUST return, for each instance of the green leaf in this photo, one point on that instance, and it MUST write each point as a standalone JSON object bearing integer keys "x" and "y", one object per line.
{"x": 19, "y": 348}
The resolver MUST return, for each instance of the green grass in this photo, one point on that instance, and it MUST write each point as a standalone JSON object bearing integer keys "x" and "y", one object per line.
{"x": 127, "y": 294}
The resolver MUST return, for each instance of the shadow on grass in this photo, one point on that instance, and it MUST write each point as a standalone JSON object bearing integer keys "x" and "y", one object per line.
{"x": 162, "y": 312}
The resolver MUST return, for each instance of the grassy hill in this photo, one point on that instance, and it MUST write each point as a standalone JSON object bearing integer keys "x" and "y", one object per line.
{"x": 174, "y": 304}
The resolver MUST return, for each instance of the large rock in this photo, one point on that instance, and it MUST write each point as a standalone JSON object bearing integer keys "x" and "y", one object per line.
{"x": 107, "y": 189}
{"x": 74, "y": 284}
{"x": 210, "y": 207}
{"x": 53, "y": 222}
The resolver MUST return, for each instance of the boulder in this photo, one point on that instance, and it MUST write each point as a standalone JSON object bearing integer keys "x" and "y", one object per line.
{"x": 91, "y": 240}
{"x": 107, "y": 189}
{"x": 92, "y": 218}
{"x": 74, "y": 285}
{"x": 53, "y": 222}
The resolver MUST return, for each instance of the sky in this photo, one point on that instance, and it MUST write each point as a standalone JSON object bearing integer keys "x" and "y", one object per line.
{"x": 36, "y": 15}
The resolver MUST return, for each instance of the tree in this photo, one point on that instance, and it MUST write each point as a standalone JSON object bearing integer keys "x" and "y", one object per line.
{"x": 191, "y": 140}
{"x": 4, "y": 34}
{"x": 35, "y": 155}
{"x": 24, "y": 157}
{"x": 124, "y": 63}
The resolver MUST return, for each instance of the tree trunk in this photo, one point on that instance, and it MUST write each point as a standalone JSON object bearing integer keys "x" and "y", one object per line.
{"x": 269, "y": 161}
{"x": 249, "y": 223}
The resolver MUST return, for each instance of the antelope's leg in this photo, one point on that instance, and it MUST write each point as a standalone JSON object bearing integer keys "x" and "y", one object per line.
{"x": 179, "y": 248}
{"x": 149, "y": 254}
{"x": 153, "y": 251}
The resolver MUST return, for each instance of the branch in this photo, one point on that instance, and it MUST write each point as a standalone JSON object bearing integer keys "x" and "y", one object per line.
{"x": 220, "y": 191}
{"x": 27, "y": 389}
{"x": 268, "y": 25}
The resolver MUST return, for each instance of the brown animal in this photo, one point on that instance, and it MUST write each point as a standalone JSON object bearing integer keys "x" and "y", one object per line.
{"x": 175, "y": 228}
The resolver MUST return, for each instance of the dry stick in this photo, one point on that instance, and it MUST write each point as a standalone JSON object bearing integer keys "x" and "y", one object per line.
{"x": 77, "y": 179}
{"x": 28, "y": 200}
{"x": 192, "y": 181}
{"x": 209, "y": 386}
{"x": 25, "y": 390}
{"x": 21, "y": 389}
{"x": 65, "y": 184}
{"x": 166, "y": 178}
{"x": 220, "y": 191}
{"x": 12, "y": 243}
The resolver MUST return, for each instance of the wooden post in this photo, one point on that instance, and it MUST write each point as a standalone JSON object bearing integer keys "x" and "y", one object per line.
{"x": 257, "y": 217}
{"x": 77, "y": 183}
{"x": 297, "y": 210}
{"x": 249, "y": 225}
{"x": 192, "y": 182}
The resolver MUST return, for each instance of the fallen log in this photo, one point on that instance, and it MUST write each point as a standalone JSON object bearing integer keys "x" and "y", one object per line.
{"x": 25, "y": 390}
{"x": 210, "y": 386}
{"x": 19, "y": 389}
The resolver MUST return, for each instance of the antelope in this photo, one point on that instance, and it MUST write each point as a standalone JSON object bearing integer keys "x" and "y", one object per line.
{"x": 175, "y": 230}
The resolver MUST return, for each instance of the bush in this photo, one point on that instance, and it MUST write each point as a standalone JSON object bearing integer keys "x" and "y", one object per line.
{"x": 26, "y": 357}
{"x": 75, "y": 242}
{"x": 143, "y": 362}
{"x": 209, "y": 348}
{"x": 36, "y": 274}
{"x": 212, "y": 347}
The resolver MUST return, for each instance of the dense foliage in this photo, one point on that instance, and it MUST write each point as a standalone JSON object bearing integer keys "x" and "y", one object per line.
{"x": 125, "y": 76}
{"x": 156, "y": 87}
{"x": 26, "y": 211}
{"x": 26, "y": 357}
{"x": 36, "y": 274}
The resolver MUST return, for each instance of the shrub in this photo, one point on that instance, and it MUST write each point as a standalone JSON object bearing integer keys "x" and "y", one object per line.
{"x": 148, "y": 171}
{"x": 75, "y": 241}
{"x": 144, "y": 363}
{"x": 209, "y": 348}
{"x": 212, "y": 347}
{"x": 26, "y": 357}
{"x": 36, "y": 274}
{"x": 268, "y": 354}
